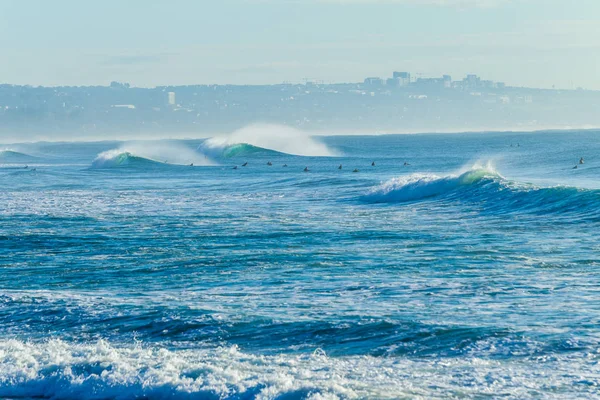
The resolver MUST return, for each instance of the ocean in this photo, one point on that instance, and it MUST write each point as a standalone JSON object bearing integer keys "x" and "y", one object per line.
{"x": 446, "y": 266}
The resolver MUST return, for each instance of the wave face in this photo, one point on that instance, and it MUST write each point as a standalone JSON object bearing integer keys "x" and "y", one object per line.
{"x": 489, "y": 189}
{"x": 234, "y": 150}
{"x": 11, "y": 156}
{"x": 422, "y": 186}
{"x": 139, "y": 154}
{"x": 118, "y": 158}
{"x": 264, "y": 137}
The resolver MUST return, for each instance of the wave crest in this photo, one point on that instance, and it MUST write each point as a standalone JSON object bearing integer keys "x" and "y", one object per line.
{"x": 263, "y": 137}
{"x": 13, "y": 156}
{"x": 421, "y": 186}
{"x": 492, "y": 193}
{"x": 118, "y": 158}
{"x": 140, "y": 154}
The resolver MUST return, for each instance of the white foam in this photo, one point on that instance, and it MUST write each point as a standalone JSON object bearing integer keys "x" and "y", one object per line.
{"x": 101, "y": 370}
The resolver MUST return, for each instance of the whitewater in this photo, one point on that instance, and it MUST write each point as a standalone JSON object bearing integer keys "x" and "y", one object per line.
{"x": 250, "y": 266}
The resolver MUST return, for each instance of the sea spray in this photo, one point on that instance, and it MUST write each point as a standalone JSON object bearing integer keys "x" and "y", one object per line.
{"x": 278, "y": 138}
{"x": 136, "y": 153}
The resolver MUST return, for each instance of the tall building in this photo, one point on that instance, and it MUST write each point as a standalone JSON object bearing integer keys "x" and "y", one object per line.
{"x": 447, "y": 81}
{"x": 403, "y": 78}
{"x": 171, "y": 98}
{"x": 472, "y": 81}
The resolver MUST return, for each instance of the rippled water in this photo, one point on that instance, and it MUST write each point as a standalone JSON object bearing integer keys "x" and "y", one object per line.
{"x": 471, "y": 272}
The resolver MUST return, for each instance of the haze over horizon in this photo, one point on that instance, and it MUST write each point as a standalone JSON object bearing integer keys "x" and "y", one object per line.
{"x": 532, "y": 43}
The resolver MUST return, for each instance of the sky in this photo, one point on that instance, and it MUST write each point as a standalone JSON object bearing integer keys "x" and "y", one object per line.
{"x": 536, "y": 43}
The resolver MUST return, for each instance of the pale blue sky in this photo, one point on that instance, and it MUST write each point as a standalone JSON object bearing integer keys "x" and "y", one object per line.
{"x": 159, "y": 42}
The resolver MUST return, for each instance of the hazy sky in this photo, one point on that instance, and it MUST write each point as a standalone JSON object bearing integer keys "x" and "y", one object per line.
{"x": 158, "y": 42}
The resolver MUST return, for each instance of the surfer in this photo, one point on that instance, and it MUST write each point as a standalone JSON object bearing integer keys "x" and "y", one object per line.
{"x": 575, "y": 167}
{"x": 284, "y": 165}
{"x": 373, "y": 164}
{"x": 235, "y": 167}
{"x": 355, "y": 170}
{"x": 269, "y": 163}
{"x": 27, "y": 166}
{"x": 405, "y": 163}
{"x": 244, "y": 164}
{"x": 192, "y": 164}
{"x": 340, "y": 167}
{"x": 305, "y": 169}
{"x": 581, "y": 160}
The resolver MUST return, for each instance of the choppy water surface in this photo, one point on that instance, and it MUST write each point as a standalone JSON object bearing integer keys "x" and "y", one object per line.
{"x": 126, "y": 272}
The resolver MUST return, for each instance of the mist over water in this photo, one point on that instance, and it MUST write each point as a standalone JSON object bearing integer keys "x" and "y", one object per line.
{"x": 150, "y": 152}
{"x": 278, "y": 138}
{"x": 456, "y": 266}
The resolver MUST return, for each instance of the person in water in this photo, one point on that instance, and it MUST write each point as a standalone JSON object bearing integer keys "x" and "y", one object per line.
{"x": 355, "y": 170}
{"x": 284, "y": 165}
{"x": 305, "y": 169}
{"x": 581, "y": 160}
{"x": 340, "y": 167}
{"x": 244, "y": 164}
{"x": 405, "y": 163}
{"x": 269, "y": 163}
{"x": 575, "y": 167}
{"x": 192, "y": 164}
{"x": 373, "y": 164}
{"x": 235, "y": 167}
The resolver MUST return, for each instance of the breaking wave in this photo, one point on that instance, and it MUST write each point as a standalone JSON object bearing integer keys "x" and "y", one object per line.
{"x": 490, "y": 190}
{"x": 150, "y": 155}
{"x": 256, "y": 138}
{"x": 118, "y": 158}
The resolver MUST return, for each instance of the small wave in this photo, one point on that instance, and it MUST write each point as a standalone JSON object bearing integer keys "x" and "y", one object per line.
{"x": 11, "y": 156}
{"x": 261, "y": 138}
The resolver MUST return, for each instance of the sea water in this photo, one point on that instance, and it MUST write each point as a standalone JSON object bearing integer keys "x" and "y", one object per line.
{"x": 463, "y": 265}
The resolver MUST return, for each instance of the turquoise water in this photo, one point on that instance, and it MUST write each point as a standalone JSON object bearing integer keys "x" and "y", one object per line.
{"x": 473, "y": 272}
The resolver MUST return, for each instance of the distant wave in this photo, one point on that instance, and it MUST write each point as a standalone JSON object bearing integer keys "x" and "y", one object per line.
{"x": 257, "y": 138}
{"x": 234, "y": 150}
{"x": 118, "y": 158}
{"x": 11, "y": 156}
{"x": 139, "y": 154}
{"x": 491, "y": 190}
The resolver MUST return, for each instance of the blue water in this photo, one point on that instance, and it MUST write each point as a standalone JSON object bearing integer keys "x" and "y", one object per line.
{"x": 473, "y": 272}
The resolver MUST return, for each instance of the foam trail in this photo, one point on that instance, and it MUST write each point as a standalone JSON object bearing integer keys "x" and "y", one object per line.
{"x": 101, "y": 370}
{"x": 150, "y": 153}
{"x": 278, "y": 138}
